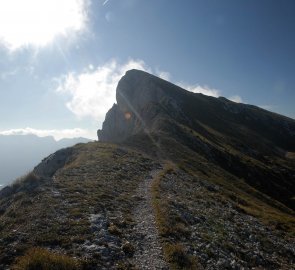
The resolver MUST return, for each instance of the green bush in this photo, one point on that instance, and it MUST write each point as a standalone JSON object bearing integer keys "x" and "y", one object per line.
{"x": 43, "y": 259}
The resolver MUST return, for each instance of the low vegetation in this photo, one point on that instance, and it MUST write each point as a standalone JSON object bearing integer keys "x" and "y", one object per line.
{"x": 43, "y": 259}
{"x": 178, "y": 257}
{"x": 202, "y": 211}
{"x": 88, "y": 208}
{"x": 206, "y": 216}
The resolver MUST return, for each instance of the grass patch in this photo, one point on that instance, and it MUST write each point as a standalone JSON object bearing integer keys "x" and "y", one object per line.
{"x": 170, "y": 225}
{"x": 43, "y": 259}
{"x": 26, "y": 183}
{"x": 179, "y": 258}
{"x": 160, "y": 206}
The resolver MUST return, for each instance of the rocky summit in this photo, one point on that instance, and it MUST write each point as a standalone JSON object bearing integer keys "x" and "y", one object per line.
{"x": 177, "y": 180}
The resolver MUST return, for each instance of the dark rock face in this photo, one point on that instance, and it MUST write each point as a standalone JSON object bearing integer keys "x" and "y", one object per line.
{"x": 115, "y": 127}
{"x": 135, "y": 92}
{"x": 145, "y": 103}
{"x": 140, "y": 98}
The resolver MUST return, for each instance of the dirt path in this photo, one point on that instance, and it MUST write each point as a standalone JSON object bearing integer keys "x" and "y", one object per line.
{"x": 149, "y": 254}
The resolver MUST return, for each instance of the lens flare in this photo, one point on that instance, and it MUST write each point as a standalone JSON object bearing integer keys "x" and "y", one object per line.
{"x": 127, "y": 115}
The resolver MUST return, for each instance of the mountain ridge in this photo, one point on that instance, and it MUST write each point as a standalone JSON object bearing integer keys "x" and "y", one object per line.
{"x": 249, "y": 132}
{"x": 178, "y": 181}
{"x": 153, "y": 89}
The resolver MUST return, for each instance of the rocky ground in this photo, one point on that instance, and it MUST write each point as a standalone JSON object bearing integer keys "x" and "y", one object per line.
{"x": 111, "y": 207}
{"x": 219, "y": 234}
{"x": 149, "y": 252}
{"x": 84, "y": 210}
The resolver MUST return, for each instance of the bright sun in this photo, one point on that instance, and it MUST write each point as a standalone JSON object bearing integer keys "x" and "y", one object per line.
{"x": 38, "y": 22}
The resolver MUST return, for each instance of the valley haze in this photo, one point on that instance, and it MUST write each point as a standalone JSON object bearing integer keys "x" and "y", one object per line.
{"x": 21, "y": 153}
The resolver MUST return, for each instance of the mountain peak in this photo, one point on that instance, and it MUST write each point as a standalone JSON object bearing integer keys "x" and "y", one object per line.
{"x": 144, "y": 100}
{"x": 140, "y": 98}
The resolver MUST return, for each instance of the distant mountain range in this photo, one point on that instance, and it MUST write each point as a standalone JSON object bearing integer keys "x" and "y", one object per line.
{"x": 19, "y": 154}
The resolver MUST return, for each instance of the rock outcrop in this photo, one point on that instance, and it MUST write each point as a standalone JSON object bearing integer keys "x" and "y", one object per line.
{"x": 140, "y": 98}
{"x": 49, "y": 166}
{"x": 146, "y": 103}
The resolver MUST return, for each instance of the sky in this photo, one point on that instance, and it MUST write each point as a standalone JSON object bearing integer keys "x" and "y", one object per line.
{"x": 60, "y": 61}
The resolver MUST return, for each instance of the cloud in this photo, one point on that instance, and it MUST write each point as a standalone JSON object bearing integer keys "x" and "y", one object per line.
{"x": 92, "y": 92}
{"x": 163, "y": 74}
{"x": 236, "y": 99}
{"x": 56, "y": 133}
{"x": 36, "y": 23}
{"x": 6, "y": 74}
{"x": 206, "y": 90}
{"x": 266, "y": 107}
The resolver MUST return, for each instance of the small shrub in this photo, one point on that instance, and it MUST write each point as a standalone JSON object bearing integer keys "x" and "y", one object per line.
{"x": 113, "y": 229}
{"x": 178, "y": 257}
{"x": 43, "y": 259}
{"x": 128, "y": 248}
{"x": 26, "y": 183}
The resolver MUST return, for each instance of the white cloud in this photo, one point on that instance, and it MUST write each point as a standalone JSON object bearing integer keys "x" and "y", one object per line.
{"x": 56, "y": 133}
{"x": 266, "y": 107}
{"x": 6, "y": 74}
{"x": 206, "y": 90}
{"x": 105, "y": 2}
{"x": 36, "y": 23}
{"x": 236, "y": 99}
{"x": 163, "y": 75}
{"x": 93, "y": 92}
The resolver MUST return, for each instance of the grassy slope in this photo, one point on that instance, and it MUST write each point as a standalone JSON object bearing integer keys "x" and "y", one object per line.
{"x": 100, "y": 180}
{"x": 199, "y": 205}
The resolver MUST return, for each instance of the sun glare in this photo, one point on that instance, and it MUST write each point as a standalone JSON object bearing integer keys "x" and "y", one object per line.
{"x": 37, "y": 22}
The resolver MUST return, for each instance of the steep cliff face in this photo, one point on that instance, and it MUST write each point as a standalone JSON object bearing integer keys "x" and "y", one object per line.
{"x": 142, "y": 100}
{"x": 117, "y": 126}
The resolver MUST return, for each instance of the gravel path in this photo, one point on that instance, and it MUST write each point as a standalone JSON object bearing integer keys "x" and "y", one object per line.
{"x": 149, "y": 254}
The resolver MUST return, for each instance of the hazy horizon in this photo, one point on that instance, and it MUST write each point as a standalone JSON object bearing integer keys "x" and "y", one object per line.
{"x": 21, "y": 153}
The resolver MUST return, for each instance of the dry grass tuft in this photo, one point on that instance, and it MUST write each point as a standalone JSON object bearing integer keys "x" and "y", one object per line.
{"x": 43, "y": 259}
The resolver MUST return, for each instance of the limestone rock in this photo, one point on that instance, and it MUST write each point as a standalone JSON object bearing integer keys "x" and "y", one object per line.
{"x": 141, "y": 97}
